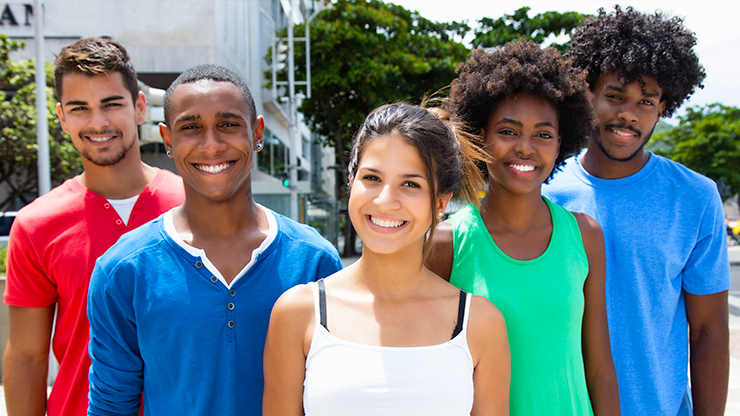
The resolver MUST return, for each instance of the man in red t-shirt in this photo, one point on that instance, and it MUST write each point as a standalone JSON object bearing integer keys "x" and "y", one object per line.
{"x": 56, "y": 239}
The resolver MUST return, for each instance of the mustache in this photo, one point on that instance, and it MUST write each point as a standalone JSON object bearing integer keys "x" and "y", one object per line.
{"x": 623, "y": 127}
{"x": 106, "y": 132}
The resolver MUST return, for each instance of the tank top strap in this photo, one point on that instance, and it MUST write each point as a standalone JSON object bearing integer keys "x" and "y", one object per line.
{"x": 463, "y": 312}
{"x": 319, "y": 301}
{"x": 322, "y": 303}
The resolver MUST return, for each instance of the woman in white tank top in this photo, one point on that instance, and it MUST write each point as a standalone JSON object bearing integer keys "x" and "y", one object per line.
{"x": 386, "y": 336}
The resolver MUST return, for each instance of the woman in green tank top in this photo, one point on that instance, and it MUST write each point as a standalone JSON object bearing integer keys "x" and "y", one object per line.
{"x": 542, "y": 266}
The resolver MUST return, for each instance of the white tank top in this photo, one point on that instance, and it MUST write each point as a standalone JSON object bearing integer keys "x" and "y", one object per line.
{"x": 345, "y": 378}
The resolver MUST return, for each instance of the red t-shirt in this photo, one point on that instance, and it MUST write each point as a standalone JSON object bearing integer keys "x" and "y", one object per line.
{"x": 53, "y": 246}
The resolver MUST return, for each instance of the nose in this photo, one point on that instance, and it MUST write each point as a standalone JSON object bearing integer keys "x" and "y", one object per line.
{"x": 524, "y": 146}
{"x": 212, "y": 142}
{"x": 387, "y": 199}
{"x": 628, "y": 113}
{"x": 98, "y": 120}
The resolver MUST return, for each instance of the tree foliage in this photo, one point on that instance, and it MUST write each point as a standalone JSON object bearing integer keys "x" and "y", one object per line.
{"x": 518, "y": 25}
{"x": 707, "y": 140}
{"x": 18, "y": 147}
{"x": 368, "y": 53}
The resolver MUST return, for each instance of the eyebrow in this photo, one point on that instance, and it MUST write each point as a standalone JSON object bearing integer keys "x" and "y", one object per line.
{"x": 624, "y": 90}
{"x": 226, "y": 114}
{"x": 406, "y": 176}
{"x": 520, "y": 124}
{"x": 103, "y": 101}
{"x": 189, "y": 117}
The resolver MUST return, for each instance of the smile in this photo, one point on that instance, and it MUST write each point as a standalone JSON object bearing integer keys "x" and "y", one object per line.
{"x": 214, "y": 168}
{"x": 100, "y": 139}
{"x": 522, "y": 168}
{"x": 386, "y": 224}
{"x": 623, "y": 133}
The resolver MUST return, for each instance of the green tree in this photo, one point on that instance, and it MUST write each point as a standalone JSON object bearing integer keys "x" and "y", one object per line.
{"x": 511, "y": 27}
{"x": 18, "y": 148}
{"x": 707, "y": 140}
{"x": 368, "y": 53}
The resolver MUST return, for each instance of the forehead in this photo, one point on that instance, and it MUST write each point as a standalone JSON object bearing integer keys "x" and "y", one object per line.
{"x": 644, "y": 84}
{"x": 91, "y": 88}
{"x": 392, "y": 152}
{"x": 525, "y": 107}
{"x": 208, "y": 97}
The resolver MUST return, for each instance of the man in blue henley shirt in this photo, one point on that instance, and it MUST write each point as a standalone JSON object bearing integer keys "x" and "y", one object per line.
{"x": 179, "y": 308}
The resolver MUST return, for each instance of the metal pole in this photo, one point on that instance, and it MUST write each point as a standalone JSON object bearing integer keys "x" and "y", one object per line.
{"x": 308, "y": 54}
{"x": 42, "y": 123}
{"x": 293, "y": 129}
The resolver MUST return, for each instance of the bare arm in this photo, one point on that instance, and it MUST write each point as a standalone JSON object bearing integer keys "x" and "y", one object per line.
{"x": 441, "y": 256}
{"x": 601, "y": 377}
{"x": 489, "y": 346}
{"x": 26, "y": 361}
{"x": 709, "y": 342}
{"x": 286, "y": 348}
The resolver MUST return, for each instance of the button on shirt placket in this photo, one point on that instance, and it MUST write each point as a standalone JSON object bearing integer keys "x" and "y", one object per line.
{"x": 118, "y": 220}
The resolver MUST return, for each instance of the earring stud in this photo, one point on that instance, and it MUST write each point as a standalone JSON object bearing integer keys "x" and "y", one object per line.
{"x": 258, "y": 146}
{"x": 169, "y": 153}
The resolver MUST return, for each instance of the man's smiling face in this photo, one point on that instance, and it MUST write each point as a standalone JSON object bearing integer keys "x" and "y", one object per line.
{"x": 100, "y": 117}
{"x": 626, "y": 115}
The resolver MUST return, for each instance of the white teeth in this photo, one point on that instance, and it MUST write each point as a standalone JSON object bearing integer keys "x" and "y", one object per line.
{"x": 623, "y": 134}
{"x": 386, "y": 224}
{"x": 100, "y": 139}
{"x": 523, "y": 168}
{"x": 212, "y": 168}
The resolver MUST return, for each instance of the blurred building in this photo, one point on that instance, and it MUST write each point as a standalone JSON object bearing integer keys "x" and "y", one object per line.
{"x": 166, "y": 37}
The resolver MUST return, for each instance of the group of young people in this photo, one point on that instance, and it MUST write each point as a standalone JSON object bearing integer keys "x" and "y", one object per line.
{"x": 514, "y": 305}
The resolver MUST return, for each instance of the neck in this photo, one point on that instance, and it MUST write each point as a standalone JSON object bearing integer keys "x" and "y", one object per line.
{"x": 391, "y": 276}
{"x": 204, "y": 218}
{"x": 501, "y": 209}
{"x": 125, "y": 179}
{"x": 598, "y": 164}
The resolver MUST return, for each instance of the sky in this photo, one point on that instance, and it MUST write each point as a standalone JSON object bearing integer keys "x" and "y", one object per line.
{"x": 713, "y": 21}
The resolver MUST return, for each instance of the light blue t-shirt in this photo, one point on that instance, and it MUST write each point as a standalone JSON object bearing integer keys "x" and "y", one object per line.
{"x": 664, "y": 234}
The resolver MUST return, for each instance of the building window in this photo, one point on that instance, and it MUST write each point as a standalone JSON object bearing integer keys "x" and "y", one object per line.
{"x": 273, "y": 158}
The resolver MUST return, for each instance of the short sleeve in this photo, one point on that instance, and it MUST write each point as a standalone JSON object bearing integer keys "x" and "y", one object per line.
{"x": 708, "y": 268}
{"x": 27, "y": 283}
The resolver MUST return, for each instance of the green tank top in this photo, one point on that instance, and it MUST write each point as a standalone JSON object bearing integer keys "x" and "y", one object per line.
{"x": 542, "y": 303}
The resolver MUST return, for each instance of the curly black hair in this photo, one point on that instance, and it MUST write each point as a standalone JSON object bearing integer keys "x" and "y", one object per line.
{"x": 491, "y": 75}
{"x": 632, "y": 44}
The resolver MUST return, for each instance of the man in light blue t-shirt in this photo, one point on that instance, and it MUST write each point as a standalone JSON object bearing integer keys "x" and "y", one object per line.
{"x": 666, "y": 248}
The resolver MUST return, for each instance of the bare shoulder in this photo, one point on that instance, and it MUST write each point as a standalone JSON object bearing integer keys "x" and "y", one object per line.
{"x": 590, "y": 229}
{"x": 295, "y": 306}
{"x": 483, "y": 313}
{"x": 440, "y": 258}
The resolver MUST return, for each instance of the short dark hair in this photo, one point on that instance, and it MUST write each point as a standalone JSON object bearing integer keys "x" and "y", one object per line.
{"x": 213, "y": 73}
{"x": 445, "y": 149}
{"x": 633, "y": 44}
{"x": 95, "y": 56}
{"x": 492, "y": 75}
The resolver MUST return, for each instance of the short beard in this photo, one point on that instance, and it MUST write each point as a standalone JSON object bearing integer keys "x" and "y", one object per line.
{"x": 109, "y": 161}
{"x": 622, "y": 159}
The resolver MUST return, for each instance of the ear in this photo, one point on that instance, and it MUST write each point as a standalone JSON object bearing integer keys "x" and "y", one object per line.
{"x": 560, "y": 141}
{"x": 442, "y": 202}
{"x": 140, "y": 105}
{"x": 661, "y": 108}
{"x": 165, "y": 132}
{"x": 62, "y": 118}
{"x": 258, "y": 131}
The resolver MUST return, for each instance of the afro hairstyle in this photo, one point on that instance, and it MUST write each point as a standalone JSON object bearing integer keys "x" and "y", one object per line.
{"x": 492, "y": 75}
{"x": 633, "y": 44}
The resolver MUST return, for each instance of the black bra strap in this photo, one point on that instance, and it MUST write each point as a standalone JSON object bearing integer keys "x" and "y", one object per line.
{"x": 322, "y": 303}
{"x": 460, "y": 314}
